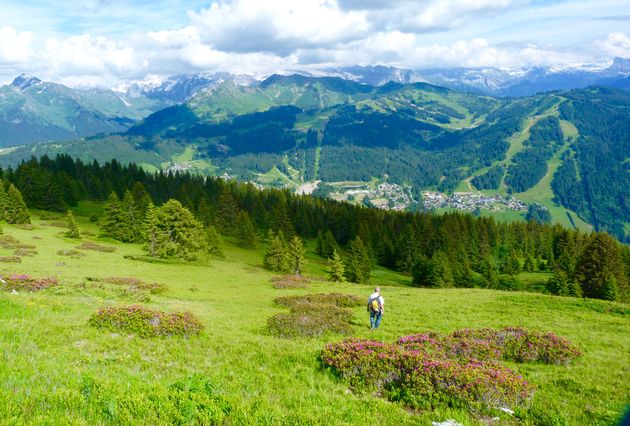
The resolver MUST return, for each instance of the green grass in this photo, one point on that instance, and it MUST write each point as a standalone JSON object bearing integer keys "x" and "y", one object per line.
{"x": 56, "y": 369}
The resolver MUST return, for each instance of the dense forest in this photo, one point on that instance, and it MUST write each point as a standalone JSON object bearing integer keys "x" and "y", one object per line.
{"x": 436, "y": 250}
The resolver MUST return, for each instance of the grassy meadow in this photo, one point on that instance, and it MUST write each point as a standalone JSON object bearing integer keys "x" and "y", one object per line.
{"x": 57, "y": 369}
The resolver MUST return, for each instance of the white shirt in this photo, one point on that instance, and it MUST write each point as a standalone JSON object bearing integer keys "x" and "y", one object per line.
{"x": 374, "y": 296}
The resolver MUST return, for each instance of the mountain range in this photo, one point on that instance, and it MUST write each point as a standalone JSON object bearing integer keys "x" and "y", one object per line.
{"x": 325, "y": 132}
{"x": 32, "y": 110}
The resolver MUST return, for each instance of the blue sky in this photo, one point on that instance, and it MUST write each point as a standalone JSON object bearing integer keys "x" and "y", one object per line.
{"x": 106, "y": 42}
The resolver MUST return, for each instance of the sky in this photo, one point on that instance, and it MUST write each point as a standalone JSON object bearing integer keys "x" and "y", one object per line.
{"x": 108, "y": 42}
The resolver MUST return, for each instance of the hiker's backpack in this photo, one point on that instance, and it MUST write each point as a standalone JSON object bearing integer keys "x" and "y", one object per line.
{"x": 375, "y": 305}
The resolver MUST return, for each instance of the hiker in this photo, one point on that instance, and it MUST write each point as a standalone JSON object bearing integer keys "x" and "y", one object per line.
{"x": 376, "y": 308}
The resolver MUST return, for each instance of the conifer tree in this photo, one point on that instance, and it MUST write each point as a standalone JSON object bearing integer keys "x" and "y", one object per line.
{"x": 227, "y": 214}
{"x": 529, "y": 264}
{"x": 245, "y": 232}
{"x": 114, "y": 222}
{"x": 574, "y": 289}
{"x": 558, "y": 283}
{"x": 177, "y": 233}
{"x": 213, "y": 241}
{"x": 3, "y": 201}
{"x": 336, "y": 270}
{"x": 277, "y": 255}
{"x": 610, "y": 290}
{"x": 151, "y": 230}
{"x": 132, "y": 219}
{"x": 296, "y": 255}
{"x": 73, "y": 227}
{"x": 358, "y": 264}
{"x": 600, "y": 260}
{"x": 15, "y": 208}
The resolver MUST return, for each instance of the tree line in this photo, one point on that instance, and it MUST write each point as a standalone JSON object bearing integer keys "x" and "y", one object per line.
{"x": 455, "y": 249}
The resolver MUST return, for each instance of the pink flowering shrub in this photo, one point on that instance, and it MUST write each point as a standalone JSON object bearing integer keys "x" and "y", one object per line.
{"x": 511, "y": 343}
{"x": 460, "y": 369}
{"x": 146, "y": 322}
{"x": 133, "y": 284}
{"x": 23, "y": 282}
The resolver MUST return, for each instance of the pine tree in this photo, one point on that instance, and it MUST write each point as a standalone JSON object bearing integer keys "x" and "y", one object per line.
{"x": 114, "y": 221}
{"x": 277, "y": 254}
{"x": 227, "y": 214}
{"x": 600, "y": 260}
{"x": 245, "y": 232}
{"x": 213, "y": 241}
{"x": 151, "y": 230}
{"x": 173, "y": 231}
{"x": 329, "y": 244}
{"x": 133, "y": 219}
{"x": 574, "y": 289}
{"x": 15, "y": 208}
{"x": 610, "y": 290}
{"x": 529, "y": 264}
{"x": 359, "y": 263}
{"x": 296, "y": 255}
{"x": 73, "y": 227}
{"x": 336, "y": 268}
{"x": 558, "y": 283}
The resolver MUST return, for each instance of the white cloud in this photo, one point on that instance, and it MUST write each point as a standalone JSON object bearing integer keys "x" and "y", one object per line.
{"x": 256, "y": 36}
{"x": 15, "y": 47}
{"x": 617, "y": 44}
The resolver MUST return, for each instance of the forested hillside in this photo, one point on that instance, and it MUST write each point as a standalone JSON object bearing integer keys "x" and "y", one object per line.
{"x": 294, "y": 130}
{"x": 436, "y": 250}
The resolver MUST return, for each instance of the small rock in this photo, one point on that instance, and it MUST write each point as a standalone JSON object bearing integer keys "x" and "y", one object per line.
{"x": 506, "y": 410}
{"x": 449, "y": 422}
{"x": 14, "y": 292}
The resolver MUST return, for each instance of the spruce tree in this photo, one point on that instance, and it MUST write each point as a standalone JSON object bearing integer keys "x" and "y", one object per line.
{"x": 336, "y": 270}
{"x": 600, "y": 260}
{"x": 558, "y": 283}
{"x": 277, "y": 254}
{"x": 213, "y": 241}
{"x": 245, "y": 232}
{"x": 16, "y": 210}
{"x": 329, "y": 244}
{"x": 610, "y": 290}
{"x": 174, "y": 232}
{"x": 151, "y": 230}
{"x": 574, "y": 289}
{"x": 114, "y": 221}
{"x": 73, "y": 227}
{"x": 359, "y": 263}
{"x": 296, "y": 255}
{"x": 227, "y": 214}
{"x": 133, "y": 219}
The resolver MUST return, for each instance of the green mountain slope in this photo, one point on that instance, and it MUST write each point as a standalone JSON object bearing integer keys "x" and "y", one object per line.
{"x": 32, "y": 111}
{"x": 295, "y": 131}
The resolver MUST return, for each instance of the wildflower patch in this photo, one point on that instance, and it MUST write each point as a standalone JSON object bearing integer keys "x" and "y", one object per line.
{"x": 460, "y": 370}
{"x": 24, "y": 282}
{"x": 290, "y": 281}
{"x": 145, "y": 322}
{"x": 96, "y": 247}
{"x": 132, "y": 283}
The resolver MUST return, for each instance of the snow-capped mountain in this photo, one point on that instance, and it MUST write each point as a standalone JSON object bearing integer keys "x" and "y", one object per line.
{"x": 180, "y": 88}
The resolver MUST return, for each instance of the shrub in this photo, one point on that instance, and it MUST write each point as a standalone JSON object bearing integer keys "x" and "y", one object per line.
{"x": 310, "y": 321}
{"x": 8, "y": 241}
{"x": 96, "y": 247}
{"x": 10, "y": 259}
{"x": 459, "y": 369}
{"x": 146, "y": 322}
{"x": 24, "y": 252}
{"x": 23, "y": 282}
{"x": 313, "y": 315}
{"x": 75, "y": 254}
{"x": 335, "y": 299}
{"x": 132, "y": 283}
{"x": 290, "y": 281}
